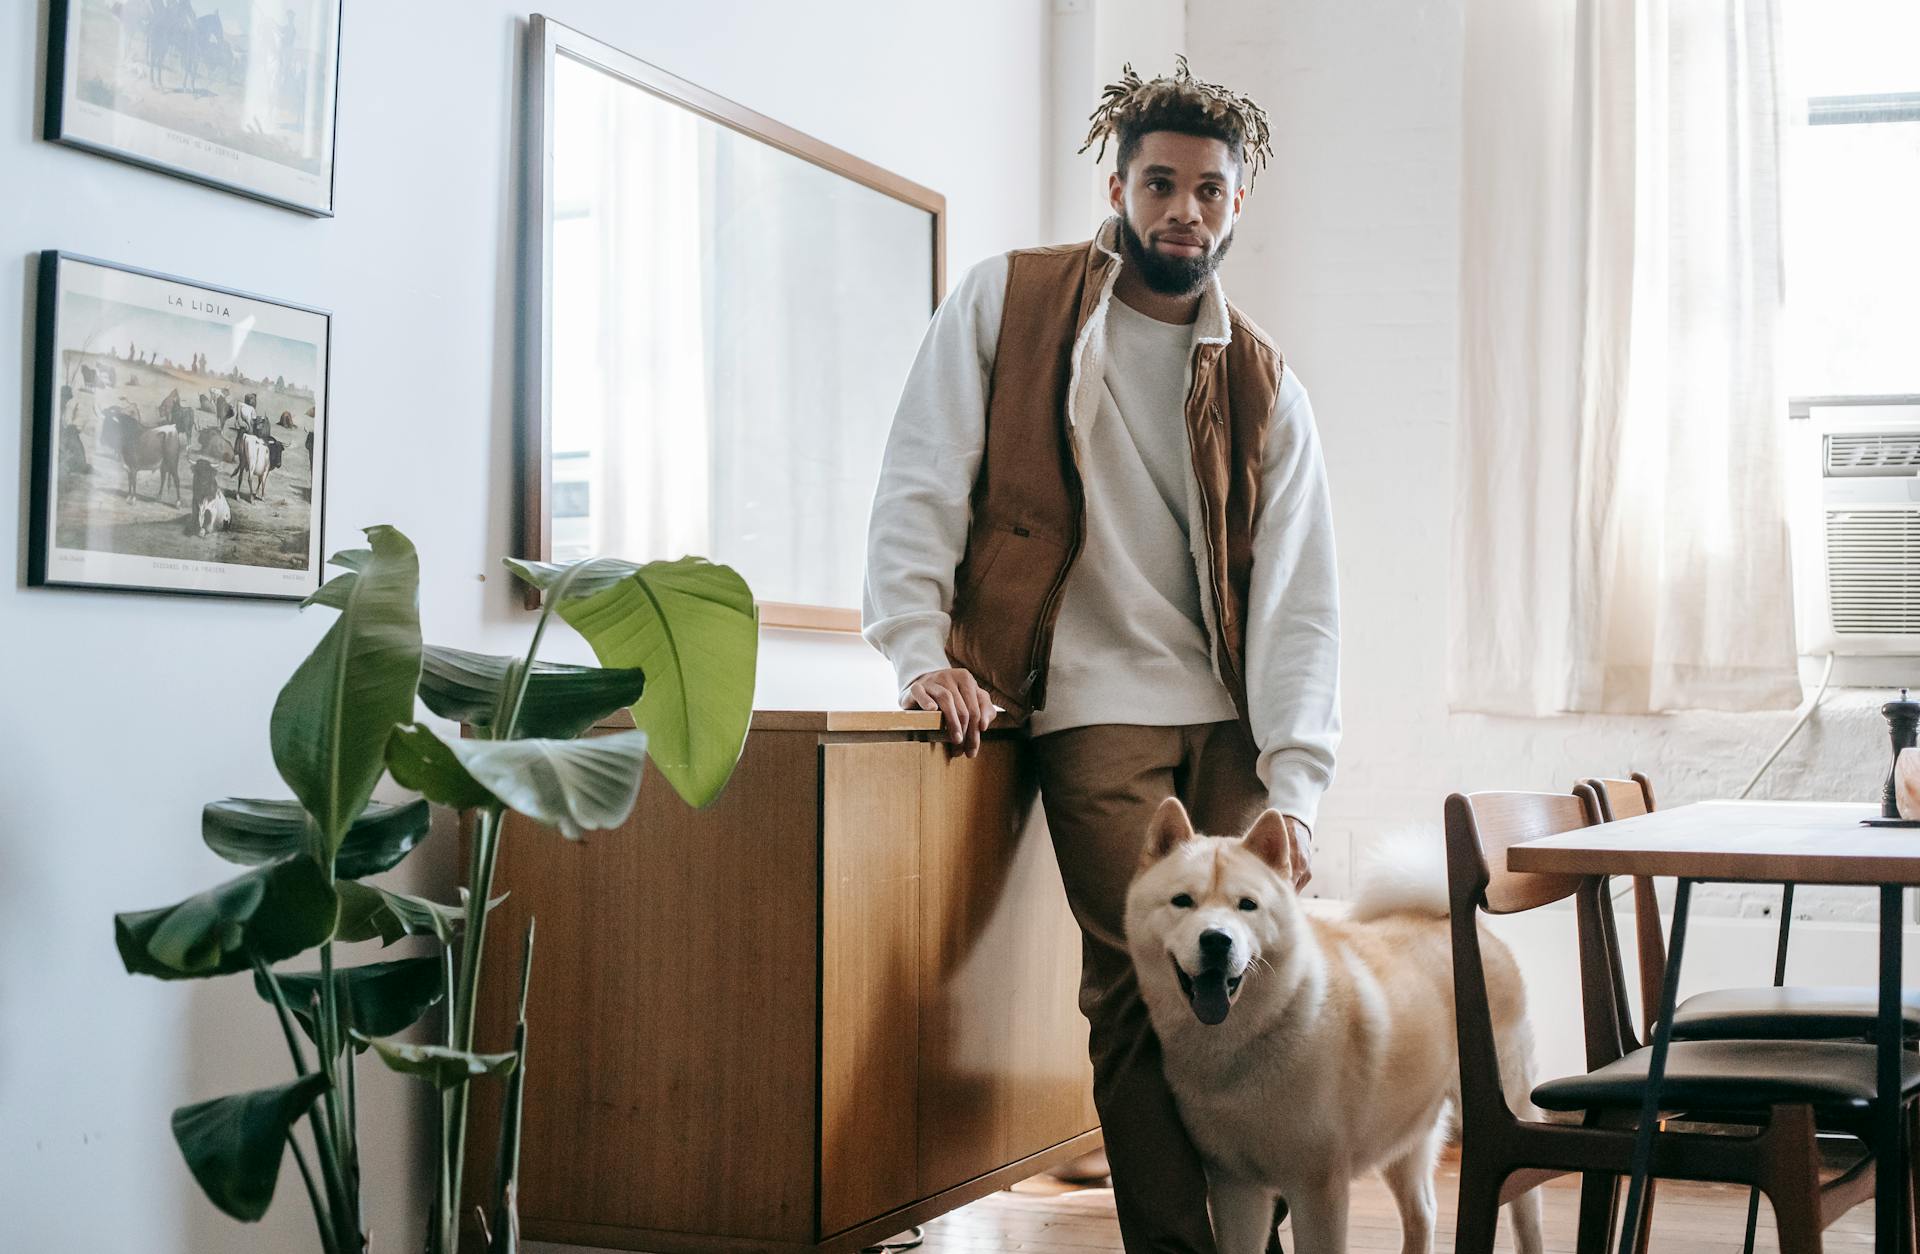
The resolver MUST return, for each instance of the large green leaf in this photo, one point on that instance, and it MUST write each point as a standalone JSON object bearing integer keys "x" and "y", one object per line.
{"x": 573, "y": 579}
{"x": 382, "y": 997}
{"x": 336, "y": 591}
{"x": 233, "y": 1145}
{"x": 330, "y": 725}
{"x": 561, "y": 701}
{"x": 438, "y": 1065}
{"x": 251, "y": 832}
{"x": 368, "y": 911}
{"x": 422, "y": 761}
{"x": 355, "y": 560}
{"x": 270, "y": 913}
{"x": 577, "y": 786}
{"x": 692, "y": 628}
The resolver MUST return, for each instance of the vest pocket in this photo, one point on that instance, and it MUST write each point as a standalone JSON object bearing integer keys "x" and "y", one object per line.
{"x": 999, "y": 595}
{"x": 978, "y": 563}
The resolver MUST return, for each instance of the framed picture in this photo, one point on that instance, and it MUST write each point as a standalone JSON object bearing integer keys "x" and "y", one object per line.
{"x": 232, "y": 93}
{"x": 180, "y": 435}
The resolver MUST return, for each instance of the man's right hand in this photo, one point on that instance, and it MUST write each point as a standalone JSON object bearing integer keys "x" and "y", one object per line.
{"x": 962, "y": 702}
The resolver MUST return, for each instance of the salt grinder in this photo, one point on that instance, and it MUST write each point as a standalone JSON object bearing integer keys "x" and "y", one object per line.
{"x": 1903, "y": 725}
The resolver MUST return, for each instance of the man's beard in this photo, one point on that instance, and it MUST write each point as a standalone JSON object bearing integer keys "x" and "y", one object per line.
{"x": 1172, "y": 276}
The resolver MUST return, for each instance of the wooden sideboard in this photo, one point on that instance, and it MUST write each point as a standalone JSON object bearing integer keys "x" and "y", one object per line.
{"x": 837, "y": 1002}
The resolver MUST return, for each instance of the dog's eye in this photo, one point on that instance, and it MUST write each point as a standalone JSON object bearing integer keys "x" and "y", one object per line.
{"x": 1248, "y": 903}
{"x": 1182, "y": 902}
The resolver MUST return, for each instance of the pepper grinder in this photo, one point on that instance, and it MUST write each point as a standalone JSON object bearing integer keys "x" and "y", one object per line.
{"x": 1903, "y": 725}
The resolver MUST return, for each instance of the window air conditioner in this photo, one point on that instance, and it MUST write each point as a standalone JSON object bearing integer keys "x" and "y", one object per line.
{"x": 1854, "y": 511}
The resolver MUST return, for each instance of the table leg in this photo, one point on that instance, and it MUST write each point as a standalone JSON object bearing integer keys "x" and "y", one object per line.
{"x": 1786, "y": 934}
{"x": 1890, "y": 1193}
{"x": 1779, "y": 981}
{"x": 1656, "y": 1069}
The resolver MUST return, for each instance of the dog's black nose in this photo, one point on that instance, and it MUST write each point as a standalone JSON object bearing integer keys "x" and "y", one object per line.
{"x": 1214, "y": 945}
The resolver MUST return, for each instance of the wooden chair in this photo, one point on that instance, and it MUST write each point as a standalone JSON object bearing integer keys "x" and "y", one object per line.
{"x": 1503, "y": 1153}
{"x": 1776, "y": 1013}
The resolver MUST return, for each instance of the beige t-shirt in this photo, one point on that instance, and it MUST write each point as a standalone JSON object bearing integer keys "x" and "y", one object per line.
{"x": 1131, "y": 642}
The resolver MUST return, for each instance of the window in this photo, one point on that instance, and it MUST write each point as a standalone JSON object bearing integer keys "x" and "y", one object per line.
{"x": 1852, "y": 197}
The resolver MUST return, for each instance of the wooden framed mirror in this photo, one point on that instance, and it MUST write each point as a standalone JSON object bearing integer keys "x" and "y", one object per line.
{"x": 721, "y": 312}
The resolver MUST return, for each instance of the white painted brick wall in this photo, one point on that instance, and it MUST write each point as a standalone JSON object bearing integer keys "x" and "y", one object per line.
{"x": 1349, "y": 255}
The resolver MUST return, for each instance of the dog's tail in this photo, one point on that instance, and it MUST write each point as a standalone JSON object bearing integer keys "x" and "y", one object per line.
{"x": 1403, "y": 873}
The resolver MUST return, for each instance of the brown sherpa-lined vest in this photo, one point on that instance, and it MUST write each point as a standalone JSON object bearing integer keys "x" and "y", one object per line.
{"x": 1028, "y": 503}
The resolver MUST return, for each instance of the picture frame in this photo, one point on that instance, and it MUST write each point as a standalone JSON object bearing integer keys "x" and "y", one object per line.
{"x": 180, "y": 435}
{"x": 233, "y": 94}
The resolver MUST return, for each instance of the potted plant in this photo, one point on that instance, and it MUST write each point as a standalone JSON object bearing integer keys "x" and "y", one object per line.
{"x": 677, "y": 643}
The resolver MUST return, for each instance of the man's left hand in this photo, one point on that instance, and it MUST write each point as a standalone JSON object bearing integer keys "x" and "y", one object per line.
{"x": 1302, "y": 837}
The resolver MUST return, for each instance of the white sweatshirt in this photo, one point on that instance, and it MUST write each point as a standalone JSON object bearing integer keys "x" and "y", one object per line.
{"x": 917, "y": 536}
{"x": 1131, "y": 604}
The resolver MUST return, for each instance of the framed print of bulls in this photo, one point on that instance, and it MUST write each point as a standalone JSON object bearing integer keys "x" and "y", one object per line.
{"x": 180, "y": 435}
{"x": 238, "y": 94}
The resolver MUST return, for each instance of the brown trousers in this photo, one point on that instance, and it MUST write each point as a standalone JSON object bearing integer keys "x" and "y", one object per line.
{"x": 1099, "y": 786}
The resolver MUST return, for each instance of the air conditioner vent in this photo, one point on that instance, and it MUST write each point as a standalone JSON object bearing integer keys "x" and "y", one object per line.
{"x": 1873, "y": 571}
{"x": 1857, "y": 454}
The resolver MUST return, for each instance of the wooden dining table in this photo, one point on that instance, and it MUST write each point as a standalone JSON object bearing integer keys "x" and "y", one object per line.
{"x": 1773, "y": 842}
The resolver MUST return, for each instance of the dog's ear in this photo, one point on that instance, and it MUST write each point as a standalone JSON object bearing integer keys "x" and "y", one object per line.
{"x": 1169, "y": 829}
{"x": 1269, "y": 841}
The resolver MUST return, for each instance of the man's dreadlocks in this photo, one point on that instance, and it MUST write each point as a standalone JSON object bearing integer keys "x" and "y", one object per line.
{"x": 1134, "y": 107}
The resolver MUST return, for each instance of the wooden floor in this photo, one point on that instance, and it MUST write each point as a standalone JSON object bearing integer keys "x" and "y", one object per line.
{"x": 1041, "y": 1217}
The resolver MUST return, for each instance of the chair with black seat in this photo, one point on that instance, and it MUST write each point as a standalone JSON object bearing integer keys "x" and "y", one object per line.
{"x": 1796, "y": 1086}
{"x": 1776, "y": 1013}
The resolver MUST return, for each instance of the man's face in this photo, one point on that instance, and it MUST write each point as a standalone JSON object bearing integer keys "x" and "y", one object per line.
{"x": 1177, "y": 206}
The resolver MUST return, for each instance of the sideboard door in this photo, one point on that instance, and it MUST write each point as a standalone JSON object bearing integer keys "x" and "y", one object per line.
{"x": 869, "y": 980}
{"x": 1003, "y": 1067}
{"x": 951, "y": 1043}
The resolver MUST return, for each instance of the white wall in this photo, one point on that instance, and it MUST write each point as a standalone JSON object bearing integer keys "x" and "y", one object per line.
{"x": 1349, "y": 256}
{"x": 1088, "y": 43}
{"x": 123, "y": 714}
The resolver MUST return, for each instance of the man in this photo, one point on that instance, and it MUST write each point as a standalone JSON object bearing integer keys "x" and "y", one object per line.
{"x": 1103, "y": 510}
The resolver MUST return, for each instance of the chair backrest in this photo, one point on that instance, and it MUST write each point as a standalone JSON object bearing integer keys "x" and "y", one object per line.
{"x": 1625, "y": 799}
{"x": 1480, "y": 829}
{"x": 1488, "y": 824}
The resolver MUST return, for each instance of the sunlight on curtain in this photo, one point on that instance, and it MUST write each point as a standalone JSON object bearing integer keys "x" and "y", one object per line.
{"x": 1620, "y": 529}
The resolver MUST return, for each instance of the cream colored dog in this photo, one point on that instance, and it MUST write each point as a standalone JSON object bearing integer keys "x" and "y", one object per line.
{"x": 1305, "y": 1050}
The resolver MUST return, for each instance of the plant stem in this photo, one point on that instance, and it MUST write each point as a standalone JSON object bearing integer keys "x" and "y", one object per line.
{"x": 322, "y": 1214}
{"x": 510, "y": 718}
{"x": 506, "y": 1214}
{"x": 479, "y": 889}
{"x": 286, "y": 1015}
{"x": 352, "y": 1092}
{"x": 506, "y": 711}
{"x": 435, "y": 1232}
{"x": 320, "y": 1218}
{"x": 329, "y": 1024}
{"x": 324, "y": 1114}
{"x": 479, "y": 886}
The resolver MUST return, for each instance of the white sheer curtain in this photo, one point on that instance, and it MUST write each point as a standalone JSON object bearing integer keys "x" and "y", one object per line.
{"x": 1620, "y": 537}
